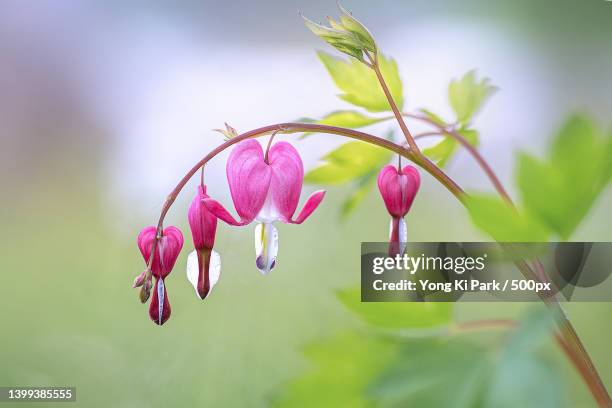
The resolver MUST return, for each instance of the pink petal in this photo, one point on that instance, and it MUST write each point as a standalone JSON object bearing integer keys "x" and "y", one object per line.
{"x": 287, "y": 177}
{"x": 249, "y": 179}
{"x": 202, "y": 222}
{"x": 398, "y": 189}
{"x": 220, "y": 212}
{"x": 170, "y": 246}
{"x": 311, "y": 204}
{"x": 166, "y": 252}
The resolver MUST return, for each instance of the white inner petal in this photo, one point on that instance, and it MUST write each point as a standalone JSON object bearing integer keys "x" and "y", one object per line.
{"x": 403, "y": 236}
{"x": 193, "y": 270}
{"x": 214, "y": 270}
{"x": 266, "y": 247}
{"x": 268, "y": 212}
{"x": 160, "y": 298}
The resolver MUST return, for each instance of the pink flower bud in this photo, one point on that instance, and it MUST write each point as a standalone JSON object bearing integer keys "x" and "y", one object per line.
{"x": 166, "y": 252}
{"x": 139, "y": 280}
{"x": 398, "y": 187}
{"x": 204, "y": 264}
{"x": 202, "y": 222}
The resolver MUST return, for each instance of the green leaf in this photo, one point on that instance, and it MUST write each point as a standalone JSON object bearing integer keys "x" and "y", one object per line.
{"x": 359, "y": 82}
{"x": 461, "y": 374}
{"x": 398, "y": 315}
{"x": 561, "y": 189}
{"x": 503, "y": 222}
{"x": 524, "y": 375}
{"x": 434, "y": 373}
{"x": 341, "y": 368}
{"x": 357, "y": 195}
{"x": 442, "y": 152}
{"x": 347, "y": 163}
{"x": 349, "y": 119}
{"x": 344, "y": 118}
{"x": 467, "y": 95}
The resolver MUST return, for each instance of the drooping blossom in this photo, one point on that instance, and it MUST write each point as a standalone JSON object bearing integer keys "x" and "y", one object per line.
{"x": 166, "y": 252}
{"x": 203, "y": 264}
{"x": 398, "y": 187}
{"x": 267, "y": 189}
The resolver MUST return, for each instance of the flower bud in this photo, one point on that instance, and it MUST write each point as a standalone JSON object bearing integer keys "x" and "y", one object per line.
{"x": 398, "y": 187}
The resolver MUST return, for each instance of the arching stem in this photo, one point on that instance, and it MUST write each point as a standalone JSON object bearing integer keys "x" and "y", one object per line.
{"x": 471, "y": 150}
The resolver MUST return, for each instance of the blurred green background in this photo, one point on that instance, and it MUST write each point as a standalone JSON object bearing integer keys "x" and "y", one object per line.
{"x": 104, "y": 106}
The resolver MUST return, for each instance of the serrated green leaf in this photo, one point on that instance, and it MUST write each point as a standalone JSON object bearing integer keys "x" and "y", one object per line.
{"x": 467, "y": 95}
{"x": 561, "y": 190}
{"x": 347, "y": 163}
{"x": 442, "y": 152}
{"x": 398, "y": 315}
{"x": 341, "y": 368}
{"x": 359, "y": 82}
{"x": 503, "y": 222}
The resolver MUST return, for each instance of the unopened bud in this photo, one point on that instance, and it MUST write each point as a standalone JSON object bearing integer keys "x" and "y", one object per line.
{"x": 139, "y": 280}
{"x": 145, "y": 290}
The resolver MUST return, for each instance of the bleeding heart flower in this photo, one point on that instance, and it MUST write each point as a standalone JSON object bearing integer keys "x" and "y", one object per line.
{"x": 166, "y": 252}
{"x": 398, "y": 187}
{"x": 203, "y": 264}
{"x": 266, "y": 189}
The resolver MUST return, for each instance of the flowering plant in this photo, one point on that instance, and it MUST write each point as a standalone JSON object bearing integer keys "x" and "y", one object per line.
{"x": 266, "y": 185}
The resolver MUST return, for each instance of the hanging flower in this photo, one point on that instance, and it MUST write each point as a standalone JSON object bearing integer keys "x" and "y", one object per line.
{"x": 166, "y": 252}
{"x": 203, "y": 264}
{"x": 267, "y": 189}
{"x": 398, "y": 187}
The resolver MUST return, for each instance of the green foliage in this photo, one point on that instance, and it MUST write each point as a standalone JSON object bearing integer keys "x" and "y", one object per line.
{"x": 358, "y": 193}
{"x": 503, "y": 222}
{"x": 557, "y": 192}
{"x": 466, "y": 95}
{"x": 457, "y": 373}
{"x": 356, "y": 162}
{"x": 362, "y": 370}
{"x": 443, "y": 151}
{"x": 397, "y": 314}
{"x": 341, "y": 370}
{"x": 344, "y": 118}
{"x": 349, "y": 119}
{"x": 347, "y": 35}
{"x": 524, "y": 376}
{"x": 359, "y": 82}
{"x": 433, "y": 373}
{"x": 348, "y": 162}
{"x": 561, "y": 189}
